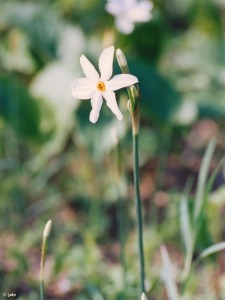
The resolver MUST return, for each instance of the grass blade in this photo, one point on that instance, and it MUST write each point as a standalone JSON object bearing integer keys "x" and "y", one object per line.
{"x": 201, "y": 184}
{"x": 211, "y": 250}
{"x": 185, "y": 219}
{"x": 168, "y": 275}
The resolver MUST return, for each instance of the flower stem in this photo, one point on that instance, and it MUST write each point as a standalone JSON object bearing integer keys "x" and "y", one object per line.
{"x": 138, "y": 210}
{"x": 41, "y": 290}
{"x": 133, "y": 107}
{"x": 46, "y": 233}
{"x": 42, "y": 269}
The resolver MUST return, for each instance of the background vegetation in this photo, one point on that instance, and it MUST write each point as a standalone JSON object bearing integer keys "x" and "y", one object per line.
{"x": 55, "y": 164}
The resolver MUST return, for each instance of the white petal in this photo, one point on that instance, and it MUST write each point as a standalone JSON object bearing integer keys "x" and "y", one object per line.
{"x": 141, "y": 12}
{"x": 129, "y": 3}
{"x": 124, "y": 25}
{"x": 88, "y": 69}
{"x": 96, "y": 102}
{"x": 106, "y": 62}
{"x": 112, "y": 104}
{"x": 82, "y": 88}
{"x": 113, "y": 7}
{"x": 120, "y": 81}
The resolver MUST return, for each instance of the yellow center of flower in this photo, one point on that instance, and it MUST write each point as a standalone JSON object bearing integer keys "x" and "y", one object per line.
{"x": 101, "y": 86}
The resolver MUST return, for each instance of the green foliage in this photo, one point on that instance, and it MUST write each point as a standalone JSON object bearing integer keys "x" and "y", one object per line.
{"x": 40, "y": 24}
{"x": 18, "y": 108}
{"x": 158, "y": 98}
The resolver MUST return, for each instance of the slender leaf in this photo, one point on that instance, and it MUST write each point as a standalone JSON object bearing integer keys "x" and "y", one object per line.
{"x": 214, "y": 174}
{"x": 211, "y": 250}
{"x": 18, "y": 108}
{"x": 185, "y": 220}
{"x": 168, "y": 275}
{"x": 201, "y": 185}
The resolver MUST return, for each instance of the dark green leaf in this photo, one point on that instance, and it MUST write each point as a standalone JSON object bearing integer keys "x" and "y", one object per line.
{"x": 158, "y": 98}
{"x": 18, "y": 108}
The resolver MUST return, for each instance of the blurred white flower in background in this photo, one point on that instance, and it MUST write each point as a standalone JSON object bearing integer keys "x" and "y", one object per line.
{"x": 129, "y": 12}
{"x": 51, "y": 85}
{"x": 71, "y": 45}
{"x": 95, "y": 87}
{"x": 14, "y": 53}
{"x": 187, "y": 113}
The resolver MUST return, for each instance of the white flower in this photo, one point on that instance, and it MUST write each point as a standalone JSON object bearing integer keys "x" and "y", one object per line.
{"x": 96, "y": 87}
{"x": 129, "y": 12}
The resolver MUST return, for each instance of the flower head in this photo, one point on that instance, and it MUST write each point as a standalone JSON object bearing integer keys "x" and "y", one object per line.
{"x": 96, "y": 87}
{"x": 129, "y": 12}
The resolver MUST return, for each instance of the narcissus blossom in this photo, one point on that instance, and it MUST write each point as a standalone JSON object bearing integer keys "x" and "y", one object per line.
{"x": 129, "y": 12}
{"x": 96, "y": 87}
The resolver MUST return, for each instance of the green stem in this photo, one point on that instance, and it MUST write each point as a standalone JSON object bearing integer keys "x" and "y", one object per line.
{"x": 138, "y": 210}
{"x": 43, "y": 248}
{"x": 122, "y": 233}
{"x": 41, "y": 290}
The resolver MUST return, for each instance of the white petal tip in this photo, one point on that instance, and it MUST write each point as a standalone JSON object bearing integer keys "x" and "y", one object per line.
{"x": 135, "y": 79}
{"x": 73, "y": 93}
{"x": 120, "y": 117}
{"x": 110, "y": 47}
{"x": 93, "y": 118}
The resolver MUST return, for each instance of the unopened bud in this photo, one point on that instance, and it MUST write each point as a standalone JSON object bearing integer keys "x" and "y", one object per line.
{"x": 47, "y": 229}
{"x": 134, "y": 92}
{"x": 122, "y": 61}
{"x": 129, "y": 105}
{"x": 143, "y": 297}
{"x": 121, "y": 58}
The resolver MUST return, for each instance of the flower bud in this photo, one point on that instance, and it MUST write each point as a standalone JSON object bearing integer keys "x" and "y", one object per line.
{"x": 122, "y": 61}
{"x": 134, "y": 92}
{"x": 47, "y": 229}
{"x": 121, "y": 58}
{"x": 143, "y": 297}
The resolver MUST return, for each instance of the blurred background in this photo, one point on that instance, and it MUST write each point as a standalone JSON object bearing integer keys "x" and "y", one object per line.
{"x": 55, "y": 164}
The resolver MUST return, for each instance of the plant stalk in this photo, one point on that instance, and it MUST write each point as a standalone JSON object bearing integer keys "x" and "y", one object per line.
{"x": 138, "y": 210}
{"x": 41, "y": 290}
{"x": 42, "y": 269}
